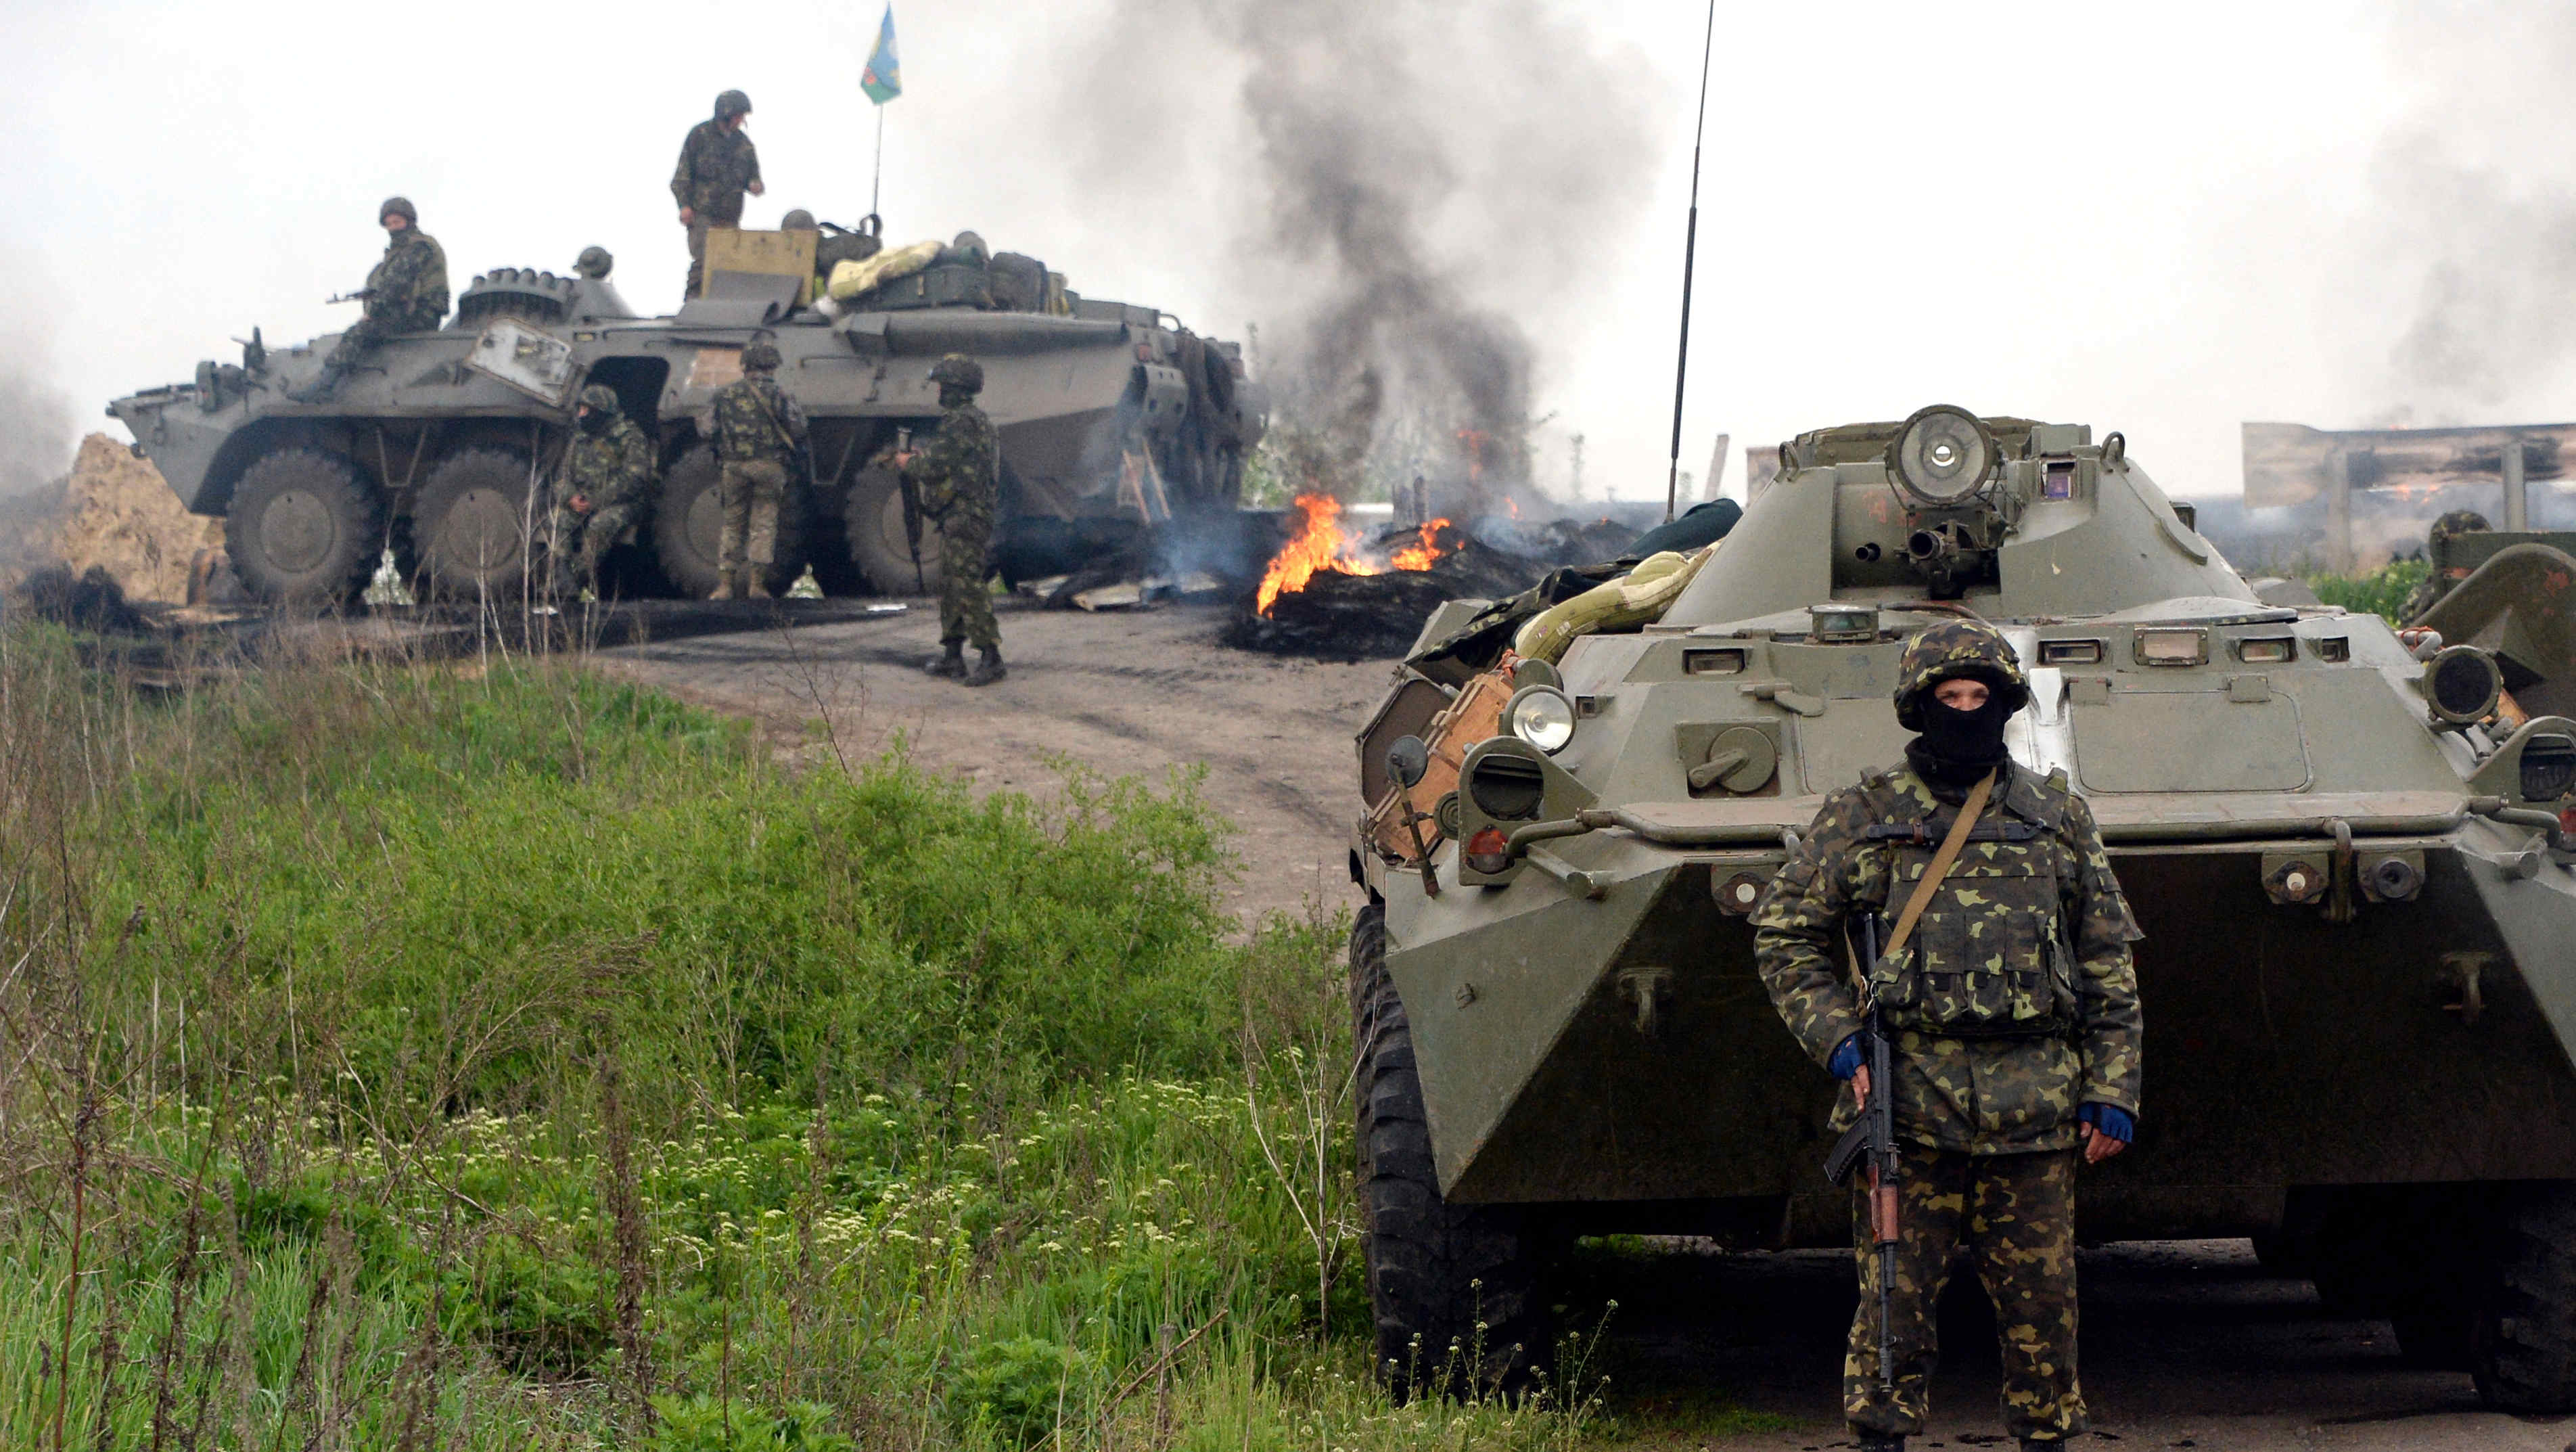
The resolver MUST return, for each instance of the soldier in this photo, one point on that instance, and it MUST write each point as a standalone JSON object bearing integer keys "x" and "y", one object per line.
{"x": 957, "y": 481}
{"x": 608, "y": 480}
{"x": 406, "y": 292}
{"x": 594, "y": 263}
{"x": 2429, "y": 591}
{"x": 2014, "y": 1025}
{"x": 759, "y": 432}
{"x": 717, "y": 165}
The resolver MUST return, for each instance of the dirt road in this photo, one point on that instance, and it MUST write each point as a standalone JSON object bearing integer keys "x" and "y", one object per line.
{"x": 1131, "y": 694}
{"x": 2186, "y": 1345}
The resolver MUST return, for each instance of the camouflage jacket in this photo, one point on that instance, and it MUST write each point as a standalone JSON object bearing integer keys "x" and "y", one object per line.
{"x": 716, "y": 166}
{"x": 407, "y": 288}
{"x": 612, "y": 468}
{"x": 2015, "y": 1001}
{"x": 755, "y": 419}
{"x": 958, "y": 472}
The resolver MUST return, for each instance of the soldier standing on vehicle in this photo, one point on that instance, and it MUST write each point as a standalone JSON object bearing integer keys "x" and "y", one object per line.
{"x": 2429, "y": 591}
{"x": 956, "y": 478}
{"x": 406, "y": 292}
{"x": 759, "y": 432}
{"x": 607, "y": 480}
{"x": 2014, "y": 1025}
{"x": 717, "y": 165}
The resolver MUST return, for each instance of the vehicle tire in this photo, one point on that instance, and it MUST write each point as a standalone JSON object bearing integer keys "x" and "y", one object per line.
{"x": 836, "y": 570}
{"x": 304, "y": 527}
{"x": 688, "y": 527}
{"x": 1454, "y": 1288}
{"x": 470, "y": 526}
{"x": 2524, "y": 1352}
{"x": 875, "y": 532}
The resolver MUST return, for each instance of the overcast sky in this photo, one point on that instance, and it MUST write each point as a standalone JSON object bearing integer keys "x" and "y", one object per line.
{"x": 2159, "y": 219}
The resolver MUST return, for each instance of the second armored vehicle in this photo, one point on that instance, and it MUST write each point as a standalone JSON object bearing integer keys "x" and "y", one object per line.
{"x": 1115, "y": 421}
{"x": 2348, "y": 849}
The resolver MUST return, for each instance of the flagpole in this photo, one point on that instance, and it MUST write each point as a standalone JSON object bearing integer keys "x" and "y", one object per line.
{"x": 877, "y": 182}
{"x": 1690, "y": 254}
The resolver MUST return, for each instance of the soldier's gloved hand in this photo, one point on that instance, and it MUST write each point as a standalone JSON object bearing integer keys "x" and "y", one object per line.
{"x": 2110, "y": 1120}
{"x": 2107, "y": 1131}
{"x": 1846, "y": 1060}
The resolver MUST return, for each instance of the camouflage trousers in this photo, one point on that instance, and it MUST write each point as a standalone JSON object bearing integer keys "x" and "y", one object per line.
{"x": 751, "y": 491}
{"x": 698, "y": 250}
{"x": 965, "y": 606}
{"x": 367, "y": 332}
{"x": 578, "y": 542}
{"x": 2015, "y": 1217}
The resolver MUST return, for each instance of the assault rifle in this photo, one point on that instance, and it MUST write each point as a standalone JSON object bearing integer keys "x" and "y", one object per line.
{"x": 1871, "y": 1142}
{"x": 364, "y": 294}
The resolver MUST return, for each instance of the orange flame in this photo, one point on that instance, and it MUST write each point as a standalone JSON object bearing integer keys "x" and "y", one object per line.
{"x": 1424, "y": 550}
{"x": 1317, "y": 545}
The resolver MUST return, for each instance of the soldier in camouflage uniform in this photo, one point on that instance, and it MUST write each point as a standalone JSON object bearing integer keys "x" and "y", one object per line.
{"x": 2014, "y": 1019}
{"x": 608, "y": 482}
{"x": 760, "y": 432}
{"x": 717, "y": 165}
{"x": 956, "y": 477}
{"x": 406, "y": 292}
{"x": 2439, "y": 583}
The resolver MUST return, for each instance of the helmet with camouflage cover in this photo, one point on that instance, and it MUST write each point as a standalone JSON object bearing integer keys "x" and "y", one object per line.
{"x": 1951, "y": 649}
{"x": 958, "y": 371}
{"x": 599, "y": 397}
{"x": 798, "y": 220}
{"x": 732, "y": 104}
{"x": 594, "y": 262}
{"x": 2452, "y": 525}
{"x": 399, "y": 207}
{"x": 759, "y": 357}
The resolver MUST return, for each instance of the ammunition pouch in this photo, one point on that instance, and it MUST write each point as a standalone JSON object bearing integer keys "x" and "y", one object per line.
{"x": 1989, "y": 958}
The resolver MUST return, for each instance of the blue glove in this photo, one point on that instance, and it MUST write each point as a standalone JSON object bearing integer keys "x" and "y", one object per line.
{"x": 1846, "y": 1059}
{"x": 2109, "y": 1120}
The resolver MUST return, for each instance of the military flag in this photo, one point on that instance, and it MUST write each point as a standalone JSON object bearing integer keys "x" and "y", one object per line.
{"x": 883, "y": 77}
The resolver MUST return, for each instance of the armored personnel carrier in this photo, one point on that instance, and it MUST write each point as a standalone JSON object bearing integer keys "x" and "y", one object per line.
{"x": 2348, "y": 848}
{"x": 1115, "y": 421}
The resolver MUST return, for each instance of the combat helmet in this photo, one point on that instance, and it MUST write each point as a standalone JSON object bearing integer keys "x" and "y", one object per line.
{"x": 599, "y": 397}
{"x": 2451, "y": 526}
{"x": 958, "y": 371}
{"x": 399, "y": 207}
{"x": 594, "y": 262}
{"x": 732, "y": 104}
{"x": 798, "y": 220}
{"x": 1951, "y": 649}
{"x": 760, "y": 357}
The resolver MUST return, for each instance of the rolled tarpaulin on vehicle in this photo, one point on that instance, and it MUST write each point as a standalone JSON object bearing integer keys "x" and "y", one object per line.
{"x": 849, "y": 279}
{"x": 1634, "y": 599}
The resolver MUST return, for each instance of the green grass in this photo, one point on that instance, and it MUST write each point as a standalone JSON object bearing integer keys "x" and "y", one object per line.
{"x": 412, "y": 1056}
{"x": 2377, "y": 592}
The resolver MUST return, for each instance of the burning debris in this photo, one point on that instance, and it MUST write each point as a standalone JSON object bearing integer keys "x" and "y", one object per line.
{"x": 1329, "y": 592}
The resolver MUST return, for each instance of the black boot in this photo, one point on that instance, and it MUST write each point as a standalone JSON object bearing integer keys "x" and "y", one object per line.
{"x": 1880, "y": 1441}
{"x": 950, "y": 662}
{"x": 988, "y": 668}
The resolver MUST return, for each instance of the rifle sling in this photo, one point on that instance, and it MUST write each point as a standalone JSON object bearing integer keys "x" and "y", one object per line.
{"x": 1942, "y": 860}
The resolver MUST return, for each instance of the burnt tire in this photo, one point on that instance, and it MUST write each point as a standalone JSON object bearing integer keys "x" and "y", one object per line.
{"x": 470, "y": 525}
{"x": 1454, "y": 1288}
{"x": 688, "y": 527}
{"x": 304, "y": 527}
{"x": 2524, "y": 1355}
{"x": 874, "y": 528}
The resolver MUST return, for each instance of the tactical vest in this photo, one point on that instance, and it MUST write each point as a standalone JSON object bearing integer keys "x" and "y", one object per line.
{"x": 1990, "y": 957}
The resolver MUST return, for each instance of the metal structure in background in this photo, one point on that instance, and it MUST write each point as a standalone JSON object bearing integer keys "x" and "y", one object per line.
{"x": 2291, "y": 464}
{"x": 2346, "y": 849}
{"x": 1690, "y": 255}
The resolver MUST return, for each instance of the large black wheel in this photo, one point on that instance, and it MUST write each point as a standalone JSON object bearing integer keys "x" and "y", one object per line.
{"x": 688, "y": 527}
{"x": 836, "y": 570}
{"x": 471, "y": 526}
{"x": 877, "y": 544}
{"x": 304, "y": 527}
{"x": 1454, "y": 1287}
{"x": 2525, "y": 1350}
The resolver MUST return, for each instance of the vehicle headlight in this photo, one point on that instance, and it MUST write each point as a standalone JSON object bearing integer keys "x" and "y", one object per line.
{"x": 1543, "y": 716}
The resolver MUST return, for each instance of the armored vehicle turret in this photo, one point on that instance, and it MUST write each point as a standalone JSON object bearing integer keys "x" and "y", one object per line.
{"x": 2346, "y": 848}
{"x": 1114, "y": 422}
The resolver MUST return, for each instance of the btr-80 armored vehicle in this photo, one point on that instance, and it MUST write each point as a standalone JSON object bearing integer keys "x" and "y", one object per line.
{"x": 1114, "y": 420}
{"x": 2346, "y": 848}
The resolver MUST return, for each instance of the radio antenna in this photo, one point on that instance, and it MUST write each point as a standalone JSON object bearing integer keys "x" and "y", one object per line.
{"x": 1690, "y": 254}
